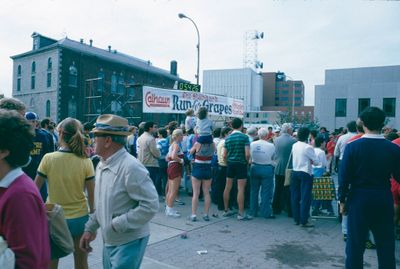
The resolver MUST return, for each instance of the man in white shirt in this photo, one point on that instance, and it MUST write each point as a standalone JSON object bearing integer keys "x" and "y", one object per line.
{"x": 342, "y": 141}
{"x": 262, "y": 175}
{"x": 301, "y": 184}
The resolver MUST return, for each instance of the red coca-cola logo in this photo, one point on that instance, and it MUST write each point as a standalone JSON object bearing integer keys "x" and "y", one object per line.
{"x": 153, "y": 100}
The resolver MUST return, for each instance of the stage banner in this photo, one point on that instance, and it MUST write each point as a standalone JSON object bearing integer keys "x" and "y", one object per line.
{"x": 157, "y": 100}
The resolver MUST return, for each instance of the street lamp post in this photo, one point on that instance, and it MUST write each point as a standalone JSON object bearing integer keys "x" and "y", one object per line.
{"x": 182, "y": 16}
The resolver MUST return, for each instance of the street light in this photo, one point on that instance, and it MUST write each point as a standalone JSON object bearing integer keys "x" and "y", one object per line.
{"x": 183, "y": 16}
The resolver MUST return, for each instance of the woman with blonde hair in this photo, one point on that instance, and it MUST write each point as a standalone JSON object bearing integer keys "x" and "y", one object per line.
{"x": 174, "y": 171}
{"x": 69, "y": 172}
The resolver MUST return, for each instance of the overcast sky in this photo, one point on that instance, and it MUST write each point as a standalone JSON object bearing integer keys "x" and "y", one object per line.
{"x": 302, "y": 38}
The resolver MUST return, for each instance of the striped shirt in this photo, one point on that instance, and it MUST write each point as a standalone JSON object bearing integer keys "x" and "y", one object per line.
{"x": 235, "y": 145}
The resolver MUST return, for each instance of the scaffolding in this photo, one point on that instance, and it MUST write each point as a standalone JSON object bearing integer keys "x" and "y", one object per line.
{"x": 102, "y": 98}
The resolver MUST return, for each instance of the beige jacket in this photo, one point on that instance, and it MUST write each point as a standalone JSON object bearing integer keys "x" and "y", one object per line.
{"x": 125, "y": 200}
{"x": 147, "y": 151}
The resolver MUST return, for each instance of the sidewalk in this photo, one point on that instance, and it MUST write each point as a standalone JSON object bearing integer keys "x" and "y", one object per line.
{"x": 230, "y": 243}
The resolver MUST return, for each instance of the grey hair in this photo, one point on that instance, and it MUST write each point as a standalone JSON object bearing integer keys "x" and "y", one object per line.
{"x": 262, "y": 133}
{"x": 285, "y": 127}
{"x": 119, "y": 139}
{"x": 252, "y": 131}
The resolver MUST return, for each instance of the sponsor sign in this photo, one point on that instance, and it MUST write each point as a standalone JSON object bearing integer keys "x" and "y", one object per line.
{"x": 157, "y": 100}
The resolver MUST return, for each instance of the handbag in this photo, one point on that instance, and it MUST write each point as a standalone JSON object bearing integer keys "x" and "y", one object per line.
{"x": 288, "y": 172}
{"x": 59, "y": 233}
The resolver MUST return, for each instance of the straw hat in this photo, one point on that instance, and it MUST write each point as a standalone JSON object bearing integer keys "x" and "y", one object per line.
{"x": 111, "y": 124}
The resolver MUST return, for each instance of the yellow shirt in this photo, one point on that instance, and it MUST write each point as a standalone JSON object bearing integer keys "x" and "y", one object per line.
{"x": 66, "y": 174}
{"x": 220, "y": 148}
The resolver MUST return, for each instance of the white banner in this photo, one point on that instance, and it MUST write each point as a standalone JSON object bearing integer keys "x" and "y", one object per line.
{"x": 157, "y": 100}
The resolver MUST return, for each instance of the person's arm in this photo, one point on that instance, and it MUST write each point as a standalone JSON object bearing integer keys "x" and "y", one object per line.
{"x": 247, "y": 153}
{"x": 224, "y": 153}
{"x": 24, "y": 226}
{"x": 140, "y": 188}
{"x": 89, "y": 185}
{"x": 194, "y": 149}
{"x": 345, "y": 176}
{"x": 39, "y": 181}
{"x": 154, "y": 150}
{"x": 310, "y": 153}
{"x": 336, "y": 152}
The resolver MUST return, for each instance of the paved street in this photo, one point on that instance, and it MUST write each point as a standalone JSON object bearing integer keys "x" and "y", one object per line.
{"x": 230, "y": 243}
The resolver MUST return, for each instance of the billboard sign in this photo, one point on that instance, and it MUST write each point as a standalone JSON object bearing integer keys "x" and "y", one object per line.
{"x": 156, "y": 100}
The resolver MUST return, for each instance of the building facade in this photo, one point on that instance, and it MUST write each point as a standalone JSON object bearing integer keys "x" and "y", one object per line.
{"x": 66, "y": 78}
{"x": 243, "y": 83}
{"x": 278, "y": 91}
{"x": 347, "y": 92}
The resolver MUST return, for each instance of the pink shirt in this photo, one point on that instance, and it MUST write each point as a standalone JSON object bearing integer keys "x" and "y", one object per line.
{"x": 23, "y": 221}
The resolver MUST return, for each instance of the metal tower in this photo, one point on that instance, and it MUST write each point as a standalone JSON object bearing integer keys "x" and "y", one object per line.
{"x": 250, "y": 53}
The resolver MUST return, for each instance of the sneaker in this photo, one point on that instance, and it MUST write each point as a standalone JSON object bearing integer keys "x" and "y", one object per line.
{"x": 206, "y": 218}
{"x": 244, "y": 217}
{"x": 172, "y": 213}
{"x": 193, "y": 218}
{"x": 307, "y": 225}
{"x": 369, "y": 245}
{"x": 179, "y": 202}
{"x": 228, "y": 213}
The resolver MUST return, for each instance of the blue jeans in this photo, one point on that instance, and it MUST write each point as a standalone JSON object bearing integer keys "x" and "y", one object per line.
{"x": 126, "y": 256}
{"x": 261, "y": 176}
{"x": 300, "y": 189}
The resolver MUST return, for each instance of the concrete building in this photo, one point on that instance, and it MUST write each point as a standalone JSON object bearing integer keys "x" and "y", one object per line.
{"x": 278, "y": 90}
{"x": 347, "y": 92}
{"x": 67, "y": 78}
{"x": 243, "y": 83}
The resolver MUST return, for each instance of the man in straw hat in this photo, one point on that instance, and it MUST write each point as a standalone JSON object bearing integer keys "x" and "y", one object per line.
{"x": 125, "y": 197}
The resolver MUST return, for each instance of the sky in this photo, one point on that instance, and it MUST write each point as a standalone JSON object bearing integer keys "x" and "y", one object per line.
{"x": 302, "y": 38}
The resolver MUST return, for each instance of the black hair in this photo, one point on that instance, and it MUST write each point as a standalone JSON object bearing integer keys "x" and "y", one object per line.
{"x": 163, "y": 132}
{"x": 190, "y": 131}
{"x": 352, "y": 126}
{"x": 225, "y": 131}
{"x": 303, "y": 133}
{"x": 318, "y": 141}
{"x": 148, "y": 125}
{"x": 16, "y": 136}
{"x": 45, "y": 122}
{"x": 373, "y": 118}
{"x": 314, "y": 133}
{"x": 392, "y": 136}
{"x": 237, "y": 123}
{"x": 87, "y": 126}
{"x": 217, "y": 132}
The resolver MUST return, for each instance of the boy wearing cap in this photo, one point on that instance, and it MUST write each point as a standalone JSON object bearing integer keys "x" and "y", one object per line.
{"x": 125, "y": 198}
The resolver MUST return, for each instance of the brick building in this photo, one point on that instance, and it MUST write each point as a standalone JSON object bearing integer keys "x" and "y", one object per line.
{"x": 67, "y": 78}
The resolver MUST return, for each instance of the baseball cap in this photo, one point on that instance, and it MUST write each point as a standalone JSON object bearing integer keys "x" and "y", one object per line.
{"x": 31, "y": 116}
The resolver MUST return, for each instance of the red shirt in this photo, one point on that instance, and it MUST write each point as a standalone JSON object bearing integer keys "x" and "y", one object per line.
{"x": 23, "y": 223}
{"x": 357, "y": 136}
{"x": 330, "y": 147}
{"x": 395, "y": 184}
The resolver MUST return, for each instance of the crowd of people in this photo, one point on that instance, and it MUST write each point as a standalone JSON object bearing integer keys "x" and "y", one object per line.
{"x": 112, "y": 176}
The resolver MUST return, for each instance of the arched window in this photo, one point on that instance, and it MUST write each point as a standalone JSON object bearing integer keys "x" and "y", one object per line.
{"x": 49, "y": 64}
{"x": 73, "y": 76}
{"x": 33, "y": 68}
{"x": 72, "y": 107}
{"x": 19, "y": 70}
{"x": 48, "y": 108}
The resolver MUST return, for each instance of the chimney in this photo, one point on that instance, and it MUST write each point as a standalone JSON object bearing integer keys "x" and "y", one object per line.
{"x": 173, "y": 68}
{"x": 81, "y": 40}
{"x": 109, "y": 48}
{"x": 90, "y": 42}
{"x": 115, "y": 51}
